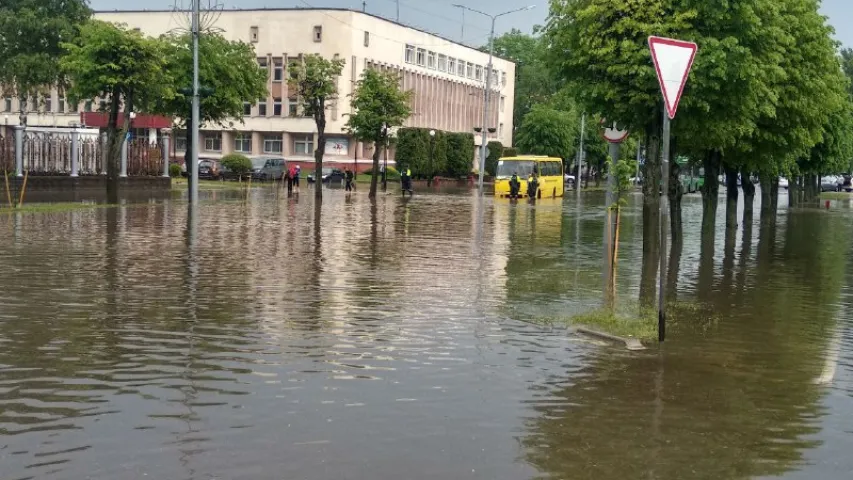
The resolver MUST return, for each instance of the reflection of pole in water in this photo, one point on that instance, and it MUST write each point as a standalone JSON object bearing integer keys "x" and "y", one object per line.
{"x": 609, "y": 200}
{"x": 191, "y": 283}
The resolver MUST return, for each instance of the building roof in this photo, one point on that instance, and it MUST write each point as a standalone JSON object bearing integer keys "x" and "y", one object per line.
{"x": 311, "y": 9}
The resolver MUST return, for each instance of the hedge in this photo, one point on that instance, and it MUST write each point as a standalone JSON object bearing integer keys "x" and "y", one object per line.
{"x": 447, "y": 154}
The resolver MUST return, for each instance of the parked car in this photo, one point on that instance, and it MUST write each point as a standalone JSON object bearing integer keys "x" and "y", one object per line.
{"x": 830, "y": 184}
{"x": 330, "y": 175}
{"x": 268, "y": 168}
{"x": 783, "y": 183}
{"x": 209, "y": 169}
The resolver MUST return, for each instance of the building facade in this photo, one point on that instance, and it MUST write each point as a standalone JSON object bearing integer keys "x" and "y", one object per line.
{"x": 447, "y": 78}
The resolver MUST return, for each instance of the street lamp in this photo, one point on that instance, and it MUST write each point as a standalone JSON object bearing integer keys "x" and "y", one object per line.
{"x": 486, "y": 92}
{"x": 431, "y": 157}
{"x": 385, "y": 164}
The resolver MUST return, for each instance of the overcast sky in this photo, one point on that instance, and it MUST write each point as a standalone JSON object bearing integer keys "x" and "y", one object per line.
{"x": 441, "y": 17}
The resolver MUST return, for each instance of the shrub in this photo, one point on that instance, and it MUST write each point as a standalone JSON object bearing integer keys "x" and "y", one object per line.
{"x": 393, "y": 174}
{"x": 236, "y": 163}
{"x": 460, "y": 154}
{"x": 174, "y": 170}
{"x": 495, "y": 152}
{"x": 510, "y": 152}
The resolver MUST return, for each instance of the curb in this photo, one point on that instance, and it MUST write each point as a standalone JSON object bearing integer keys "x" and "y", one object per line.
{"x": 630, "y": 343}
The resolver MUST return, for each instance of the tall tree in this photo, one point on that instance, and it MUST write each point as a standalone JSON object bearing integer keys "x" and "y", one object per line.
{"x": 31, "y": 36}
{"x": 315, "y": 81}
{"x": 379, "y": 105}
{"x": 121, "y": 65}
{"x": 228, "y": 73}
{"x": 545, "y": 131}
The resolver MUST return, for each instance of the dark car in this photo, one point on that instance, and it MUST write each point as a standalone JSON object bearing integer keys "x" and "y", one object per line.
{"x": 330, "y": 176}
{"x": 209, "y": 169}
{"x": 268, "y": 168}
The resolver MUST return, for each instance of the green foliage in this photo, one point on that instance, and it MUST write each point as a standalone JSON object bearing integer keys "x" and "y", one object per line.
{"x": 546, "y": 131}
{"x": 315, "y": 81}
{"x": 623, "y": 171}
{"x": 426, "y": 156}
{"x": 847, "y": 66}
{"x": 32, "y": 33}
{"x": 228, "y": 68}
{"x": 237, "y": 163}
{"x": 174, "y": 170}
{"x": 378, "y": 105}
{"x": 496, "y": 151}
{"x": 110, "y": 61}
{"x": 460, "y": 154}
{"x": 510, "y": 152}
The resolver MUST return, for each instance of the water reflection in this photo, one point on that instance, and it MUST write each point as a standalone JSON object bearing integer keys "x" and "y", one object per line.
{"x": 281, "y": 337}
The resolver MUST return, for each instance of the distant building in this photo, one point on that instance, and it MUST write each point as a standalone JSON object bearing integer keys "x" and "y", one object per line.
{"x": 448, "y": 79}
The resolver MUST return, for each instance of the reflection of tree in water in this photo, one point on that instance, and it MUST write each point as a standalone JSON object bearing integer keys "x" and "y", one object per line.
{"x": 736, "y": 402}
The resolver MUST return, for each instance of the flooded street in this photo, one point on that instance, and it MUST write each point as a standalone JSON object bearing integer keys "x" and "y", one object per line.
{"x": 280, "y": 339}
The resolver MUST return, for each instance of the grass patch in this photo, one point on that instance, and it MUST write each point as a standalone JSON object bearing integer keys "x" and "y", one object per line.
{"x": 53, "y": 207}
{"x": 181, "y": 184}
{"x": 836, "y": 196}
{"x": 642, "y": 327}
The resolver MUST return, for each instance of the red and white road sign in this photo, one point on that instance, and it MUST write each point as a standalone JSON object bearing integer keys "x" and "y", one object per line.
{"x": 612, "y": 133}
{"x": 673, "y": 60}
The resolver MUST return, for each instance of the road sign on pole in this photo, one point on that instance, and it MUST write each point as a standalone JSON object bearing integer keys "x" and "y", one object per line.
{"x": 673, "y": 60}
{"x": 612, "y": 133}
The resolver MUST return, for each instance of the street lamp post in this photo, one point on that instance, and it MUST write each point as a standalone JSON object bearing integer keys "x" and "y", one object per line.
{"x": 385, "y": 162}
{"x": 488, "y": 88}
{"x": 431, "y": 157}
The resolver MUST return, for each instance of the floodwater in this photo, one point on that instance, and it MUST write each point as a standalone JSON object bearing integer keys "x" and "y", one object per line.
{"x": 278, "y": 339}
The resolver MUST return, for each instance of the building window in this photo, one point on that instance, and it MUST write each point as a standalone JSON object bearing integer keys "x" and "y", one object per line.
{"x": 139, "y": 133}
{"x": 48, "y": 105}
{"x": 243, "y": 143}
{"x": 180, "y": 141}
{"x": 451, "y": 65}
{"x": 213, "y": 142}
{"x": 503, "y": 78}
{"x": 366, "y": 39}
{"x": 503, "y": 102}
{"x": 34, "y": 104}
{"x": 303, "y": 145}
{"x": 272, "y": 144}
{"x": 60, "y": 107}
{"x": 277, "y": 70}
{"x": 264, "y": 64}
{"x": 247, "y": 109}
{"x": 431, "y": 60}
{"x": 306, "y": 113}
{"x": 276, "y": 107}
{"x": 87, "y": 107}
{"x": 253, "y": 34}
{"x": 442, "y": 62}
{"x": 103, "y": 106}
{"x": 469, "y": 70}
{"x": 262, "y": 107}
{"x": 292, "y": 107}
{"x": 478, "y": 73}
{"x": 460, "y": 68}
{"x": 72, "y": 107}
{"x": 7, "y": 105}
{"x": 421, "y": 59}
{"x": 318, "y": 33}
{"x": 500, "y": 129}
{"x": 410, "y": 54}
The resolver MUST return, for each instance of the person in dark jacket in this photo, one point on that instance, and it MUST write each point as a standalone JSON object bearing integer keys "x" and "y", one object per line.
{"x": 406, "y": 180}
{"x": 514, "y": 186}
{"x": 349, "y": 178}
{"x": 532, "y": 186}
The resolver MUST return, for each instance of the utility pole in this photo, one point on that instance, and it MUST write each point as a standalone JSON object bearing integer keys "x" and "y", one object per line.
{"x": 193, "y": 167}
{"x": 580, "y": 157}
{"x": 398, "y": 11}
{"x": 488, "y": 88}
{"x": 363, "y": 6}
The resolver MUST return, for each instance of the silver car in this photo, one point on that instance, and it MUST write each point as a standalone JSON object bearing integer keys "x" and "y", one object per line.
{"x": 268, "y": 168}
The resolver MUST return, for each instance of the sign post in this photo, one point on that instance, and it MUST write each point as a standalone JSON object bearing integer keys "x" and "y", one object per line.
{"x": 673, "y": 60}
{"x": 614, "y": 137}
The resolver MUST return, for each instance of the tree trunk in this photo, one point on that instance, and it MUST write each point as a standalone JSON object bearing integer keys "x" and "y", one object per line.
{"x": 674, "y": 261}
{"x": 113, "y": 148}
{"x": 320, "y": 119}
{"x": 711, "y": 189}
{"x": 766, "y": 192}
{"x": 731, "y": 196}
{"x": 748, "y": 195}
{"x": 774, "y": 192}
{"x": 676, "y": 192}
{"x": 374, "y": 178}
{"x": 651, "y": 215}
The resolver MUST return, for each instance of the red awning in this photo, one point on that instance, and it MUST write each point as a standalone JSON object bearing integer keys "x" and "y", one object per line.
{"x": 142, "y": 120}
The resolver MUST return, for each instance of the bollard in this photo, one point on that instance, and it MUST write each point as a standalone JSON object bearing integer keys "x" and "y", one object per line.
{"x": 124, "y": 157}
{"x": 827, "y": 204}
{"x": 75, "y": 151}
{"x": 19, "y": 150}
{"x": 167, "y": 133}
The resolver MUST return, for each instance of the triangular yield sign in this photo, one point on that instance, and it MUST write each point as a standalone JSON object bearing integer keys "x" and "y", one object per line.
{"x": 673, "y": 60}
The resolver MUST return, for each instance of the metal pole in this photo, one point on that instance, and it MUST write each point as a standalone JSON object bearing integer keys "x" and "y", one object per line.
{"x": 580, "y": 156}
{"x": 664, "y": 223}
{"x": 167, "y": 134}
{"x": 193, "y": 167}
{"x": 462, "y": 35}
{"x": 19, "y": 150}
{"x": 385, "y": 168}
{"x": 608, "y": 222}
{"x": 398, "y": 11}
{"x": 123, "y": 169}
{"x": 486, "y": 107}
{"x": 75, "y": 151}
{"x": 639, "y": 149}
